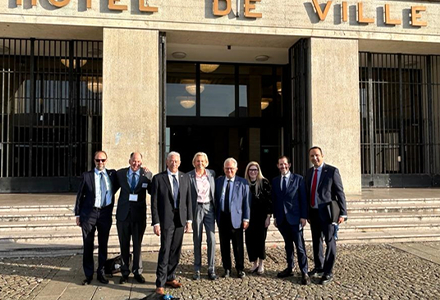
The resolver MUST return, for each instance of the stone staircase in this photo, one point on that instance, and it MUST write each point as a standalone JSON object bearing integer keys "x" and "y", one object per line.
{"x": 49, "y": 229}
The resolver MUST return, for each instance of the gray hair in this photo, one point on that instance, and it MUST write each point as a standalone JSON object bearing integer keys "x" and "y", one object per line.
{"x": 203, "y": 154}
{"x": 173, "y": 153}
{"x": 230, "y": 159}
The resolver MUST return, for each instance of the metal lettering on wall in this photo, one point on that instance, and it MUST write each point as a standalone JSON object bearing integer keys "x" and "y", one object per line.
{"x": 222, "y": 8}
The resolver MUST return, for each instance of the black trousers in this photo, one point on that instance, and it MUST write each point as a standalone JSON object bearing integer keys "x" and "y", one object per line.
{"x": 101, "y": 220}
{"x": 169, "y": 253}
{"x": 322, "y": 230}
{"x": 228, "y": 233}
{"x": 255, "y": 237}
{"x": 131, "y": 230}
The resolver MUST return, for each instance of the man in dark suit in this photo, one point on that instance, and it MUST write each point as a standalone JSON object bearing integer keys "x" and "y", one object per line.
{"x": 93, "y": 210}
{"x": 290, "y": 216}
{"x": 171, "y": 210}
{"x": 324, "y": 185}
{"x": 232, "y": 214}
{"x": 203, "y": 203}
{"x": 131, "y": 214}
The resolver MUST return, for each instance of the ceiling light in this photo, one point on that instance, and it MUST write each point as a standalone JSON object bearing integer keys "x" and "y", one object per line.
{"x": 94, "y": 84}
{"x": 265, "y": 103}
{"x": 208, "y": 68}
{"x": 179, "y": 55}
{"x": 261, "y": 57}
{"x": 186, "y": 101}
{"x": 191, "y": 86}
{"x": 66, "y": 62}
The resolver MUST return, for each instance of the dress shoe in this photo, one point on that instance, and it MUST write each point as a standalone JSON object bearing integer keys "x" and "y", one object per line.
{"x": 241, "y": 274}
{"x": 174, "y": 284}
{"x": 316, "y": 273}
{"x": 305, "y": 279}
{"x": 87, "y": 281}
{"x": 227, "y": 274}
{"x": 139, "y": 278}
{"x": 102, "y": 279}
{"x": 196, "y": 275}
{"x": 123, "y": 280}
{"x": 260, "y": 270}
{"x": 160, "y": 291}
{"x": 326, "y": 279}
{"x": 212, "y": 276}
{"x": 285, "y": 273}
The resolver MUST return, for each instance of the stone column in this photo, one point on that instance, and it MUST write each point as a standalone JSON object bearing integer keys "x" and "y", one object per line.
{"x": 334, "y": 106}
{"x": 130, "y": 117}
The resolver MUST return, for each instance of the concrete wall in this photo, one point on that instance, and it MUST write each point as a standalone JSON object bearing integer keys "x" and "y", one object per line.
{"x": 131, "y": 96}
{"x": 334, "y": 106}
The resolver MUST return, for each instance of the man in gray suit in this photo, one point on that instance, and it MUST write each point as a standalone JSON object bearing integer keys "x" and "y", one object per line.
{"x": 202, "y": 195}
{"x": 131, "y": 215}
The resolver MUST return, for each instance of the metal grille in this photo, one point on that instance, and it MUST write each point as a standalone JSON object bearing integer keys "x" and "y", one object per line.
{"x": 51, "y": 110}
{"x": 400, "y": 119}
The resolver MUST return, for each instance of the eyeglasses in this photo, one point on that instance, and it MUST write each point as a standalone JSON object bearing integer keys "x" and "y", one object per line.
{"x": 100, "y": 160}
{"x": 253, "y": 170}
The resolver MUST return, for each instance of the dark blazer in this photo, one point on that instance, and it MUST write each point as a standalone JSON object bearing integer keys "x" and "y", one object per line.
{"x": 137, "y": 209}
{"x": 295, "y": 200}
{"x": 194, "y": 191}
{"x": 239, "y": 202}
{"x": 162, "y": 202}
{"x": 329, "y": 189}
{"x": 85, "y": 199}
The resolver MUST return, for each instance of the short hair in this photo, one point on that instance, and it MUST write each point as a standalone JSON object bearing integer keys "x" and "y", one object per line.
{"x": 133, "y": 153}
{"x": 284, "y": 156}
{"x": 316, "y": 147}
{"x": 100, "y": 151}
{"x": 230, "y": 159}
{"x": 200, "y": 154}
{"x": 173, "y": 153}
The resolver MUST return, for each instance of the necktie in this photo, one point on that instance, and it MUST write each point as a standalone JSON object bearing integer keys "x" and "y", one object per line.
{"x": 228, "y": 188}
{"x": 284, "y": 184}
{"x": 315, "y": 180}
{"x": 175, "y": 190}
{"x": 103, "y": 189}
{"x": 133, "y": 182}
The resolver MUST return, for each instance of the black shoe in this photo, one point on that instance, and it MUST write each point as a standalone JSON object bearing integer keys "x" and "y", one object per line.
{"x": 326, "y": 279}
{"x": 87, "y": 281}
{"x": 139, "y": 278}
{"x": 316, "y": 273}
{"x": 305, "y": 279}
{"x": 285, "y": 273}
{"x": 102, "y": 278}
{"x": 227, "y": 274}
{"x": 196, "y": 275}
{"x": 123, "y": 279}
{"x": 212, "y": 276}
{"x": 241, "y": 274}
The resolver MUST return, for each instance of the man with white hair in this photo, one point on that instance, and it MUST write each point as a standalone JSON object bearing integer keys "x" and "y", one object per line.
{"x": 233, "y": 213}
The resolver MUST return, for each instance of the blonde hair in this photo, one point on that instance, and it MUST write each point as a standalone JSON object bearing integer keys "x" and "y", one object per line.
{"x": 260, "y": 177}
{"x": 203, "y": 154}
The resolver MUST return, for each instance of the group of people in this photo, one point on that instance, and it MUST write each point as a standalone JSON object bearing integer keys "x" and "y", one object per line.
{"x": 242, "y": 208}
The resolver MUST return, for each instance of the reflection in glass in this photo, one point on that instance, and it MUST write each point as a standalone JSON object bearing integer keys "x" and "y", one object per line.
{"x": 181, "y": 89}
{"x": 218, "y": 98}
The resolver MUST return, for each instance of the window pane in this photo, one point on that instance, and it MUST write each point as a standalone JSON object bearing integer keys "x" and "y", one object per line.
{"x": 181, "y": 89}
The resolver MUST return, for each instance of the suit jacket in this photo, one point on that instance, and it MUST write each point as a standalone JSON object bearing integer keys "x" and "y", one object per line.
{"x": 329, "y": 189}
{"x": 294, "y": 200}
{"x": 194, "y": 190}
{"x": 137, "y": 209}
{"x": 239, "y": 203}
{"x": 85, "y": 198}
{"x": 162, "y": 202}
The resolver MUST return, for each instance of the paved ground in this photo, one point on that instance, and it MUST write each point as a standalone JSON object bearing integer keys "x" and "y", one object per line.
{"x": 398, "y": 271}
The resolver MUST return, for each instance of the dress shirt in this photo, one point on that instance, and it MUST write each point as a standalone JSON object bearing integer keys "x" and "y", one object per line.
{"x": 130, "y": 174}
{"x": 171, "y": 179}
{"x": 203, "y": 188}
{"x": 282, "y": 179}
{"x": 108, "y": 184}
{"x": 231, "y": 188}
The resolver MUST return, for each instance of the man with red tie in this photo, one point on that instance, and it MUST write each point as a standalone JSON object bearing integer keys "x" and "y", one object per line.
{"x": 324, "y": 185}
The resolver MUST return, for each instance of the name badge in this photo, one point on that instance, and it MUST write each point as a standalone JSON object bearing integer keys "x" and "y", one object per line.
{"x": 133, "y": 197}
{"x": 144, "y": 185}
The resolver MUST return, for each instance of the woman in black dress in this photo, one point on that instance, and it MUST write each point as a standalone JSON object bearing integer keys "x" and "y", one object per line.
{"x": 261, "y": 210}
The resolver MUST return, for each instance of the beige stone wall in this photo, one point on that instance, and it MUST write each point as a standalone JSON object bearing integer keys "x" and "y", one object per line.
{"x": 334, "y": 106}
{"x": 131, "y": 96}
{"x": 279, "y": 17}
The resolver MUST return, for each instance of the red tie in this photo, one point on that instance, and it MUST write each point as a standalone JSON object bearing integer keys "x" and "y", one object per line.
{"x": 315, "y": 180}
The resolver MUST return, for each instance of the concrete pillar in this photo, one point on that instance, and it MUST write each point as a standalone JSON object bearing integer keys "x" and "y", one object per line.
{"x": 334, "y": 106}
{"x": 130, "y": 117}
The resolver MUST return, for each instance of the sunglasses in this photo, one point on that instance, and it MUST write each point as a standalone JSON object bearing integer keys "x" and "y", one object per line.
{"x": 100, "y": 160}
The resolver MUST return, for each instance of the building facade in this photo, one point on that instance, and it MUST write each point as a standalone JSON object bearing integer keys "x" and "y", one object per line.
{"x": 252, "y": 79}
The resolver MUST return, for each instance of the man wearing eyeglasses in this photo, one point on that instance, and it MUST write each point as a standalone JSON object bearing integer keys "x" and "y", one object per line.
{"x": 93, "y": 210}
{"x": 131, "y": 214}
